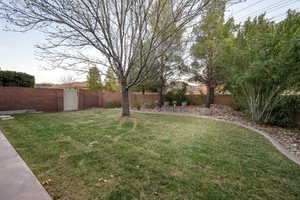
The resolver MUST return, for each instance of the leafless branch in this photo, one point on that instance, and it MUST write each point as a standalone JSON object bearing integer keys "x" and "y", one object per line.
{"x": 117, "y": 31}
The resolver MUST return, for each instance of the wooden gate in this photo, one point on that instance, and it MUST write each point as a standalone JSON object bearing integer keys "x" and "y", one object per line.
{"x": 70, "y": 99}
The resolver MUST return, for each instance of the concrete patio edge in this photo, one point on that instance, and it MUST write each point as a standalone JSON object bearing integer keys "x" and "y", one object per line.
{"x": 276, "y": 144}
{"x": 16, "y": 179}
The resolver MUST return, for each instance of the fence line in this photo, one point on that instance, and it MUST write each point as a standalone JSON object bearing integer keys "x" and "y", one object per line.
{"x": 52, "y": 100}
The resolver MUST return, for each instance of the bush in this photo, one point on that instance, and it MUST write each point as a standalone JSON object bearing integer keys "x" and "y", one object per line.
{"x": 138, "y": 105}
{"x": 177, "y": 95}
{"x": 260, "y": 64}
{"x": 113, "y": 104}
{"x": 284, "y": 113}
{"x": 16, "y": 79}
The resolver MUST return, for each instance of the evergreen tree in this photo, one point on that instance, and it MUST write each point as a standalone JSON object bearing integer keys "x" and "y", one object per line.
{"x": 209, "y": 35}
{"x": 94, "y": 78}
{"x": 111, "y": 82}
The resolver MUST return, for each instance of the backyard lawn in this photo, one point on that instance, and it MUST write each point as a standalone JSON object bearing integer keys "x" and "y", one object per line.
{"x": 92, "y": 155}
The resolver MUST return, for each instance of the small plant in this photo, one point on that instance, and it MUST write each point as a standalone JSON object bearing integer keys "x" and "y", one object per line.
{"x": 138, "y": 105}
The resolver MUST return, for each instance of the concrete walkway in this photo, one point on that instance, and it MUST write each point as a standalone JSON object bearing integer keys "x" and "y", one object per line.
{"x": 276, "y": 144}
{"x": 17, "y": 182}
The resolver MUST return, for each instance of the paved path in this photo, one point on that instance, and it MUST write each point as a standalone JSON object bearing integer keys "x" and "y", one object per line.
{"x": 276, "y": 144}
{"x": 17, "y": 182}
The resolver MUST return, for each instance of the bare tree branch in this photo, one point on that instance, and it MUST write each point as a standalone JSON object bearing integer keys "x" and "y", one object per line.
{"x": 118, "y": 30}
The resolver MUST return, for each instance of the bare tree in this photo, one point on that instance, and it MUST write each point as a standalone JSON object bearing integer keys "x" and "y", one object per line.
{"x": 118, "y": 31}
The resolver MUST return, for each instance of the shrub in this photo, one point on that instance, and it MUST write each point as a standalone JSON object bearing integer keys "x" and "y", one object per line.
{"x": 177, "y": 95}
{"x": 284, "y": 113}
{"x": 16, "y": 79}
{"x": 260, "y": 64}
{"x": 113, "y": 104}
{"x": 138, "y": 105}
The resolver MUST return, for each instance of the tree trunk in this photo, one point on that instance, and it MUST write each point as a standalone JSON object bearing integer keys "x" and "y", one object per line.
{"x": 125, "y": 102}
{"x": 161, "y": 96}
{"x": 210, "y": 97}
{"x": 161, "y": 92}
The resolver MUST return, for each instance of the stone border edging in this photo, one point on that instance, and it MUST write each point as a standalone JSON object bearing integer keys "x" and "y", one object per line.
{"x": 17, "y": 181}
{"x": 276, "y": 144}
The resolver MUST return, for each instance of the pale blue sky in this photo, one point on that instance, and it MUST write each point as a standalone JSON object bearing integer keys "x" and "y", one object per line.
{"x": 17, "y": 49}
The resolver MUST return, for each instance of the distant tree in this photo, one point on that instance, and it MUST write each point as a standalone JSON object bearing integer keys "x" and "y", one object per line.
{"x": 16, "y": 79}
{"x": 94, "y": 78}
{"x": 119, "y": 31}
{"x": 209, "y": 35}
{"x": 170, "y": 67}
{"x": 170, "y": 62}
{"x": 111, "y": 82}
{"x": 150, "y": 85}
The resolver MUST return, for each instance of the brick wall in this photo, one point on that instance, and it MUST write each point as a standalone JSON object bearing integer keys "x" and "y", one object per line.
{"x": 224, "y": 100}
{"x": 108, "y": 97}
{"x": 89, "y": 99}
{"x": 196, "y": 99}
{"x": 15, "y": 98}
{"x": 51, "y": 100}
{"x": 135, "y": 97}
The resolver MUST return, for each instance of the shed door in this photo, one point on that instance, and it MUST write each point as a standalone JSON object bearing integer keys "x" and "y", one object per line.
{"x": 70, "y": 99}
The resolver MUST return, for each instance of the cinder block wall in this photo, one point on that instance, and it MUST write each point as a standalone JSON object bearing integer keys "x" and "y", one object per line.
{"x": 40, "y": 99}
{"x": 108, "y": 97}
{"x": 136, "y": 97}
{"x": 224, "y": 100}
{"x": 51, "y": 100}
{"x": 89, "y": 99}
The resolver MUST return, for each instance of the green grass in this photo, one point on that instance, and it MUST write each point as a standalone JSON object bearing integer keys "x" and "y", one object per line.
{"x": 92, "y": 155}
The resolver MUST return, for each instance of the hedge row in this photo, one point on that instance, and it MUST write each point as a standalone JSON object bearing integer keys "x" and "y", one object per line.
{"x": 16, "y": 79}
